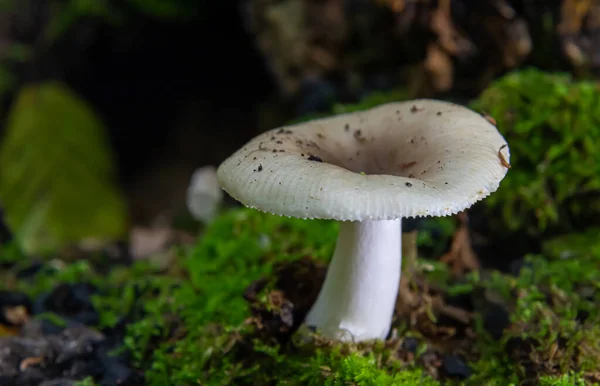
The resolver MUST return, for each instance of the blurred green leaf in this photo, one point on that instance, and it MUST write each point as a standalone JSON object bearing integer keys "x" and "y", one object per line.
{"x": 56, "y": 171}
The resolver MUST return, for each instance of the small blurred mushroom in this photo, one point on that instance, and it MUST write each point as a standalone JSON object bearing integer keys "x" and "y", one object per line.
{"x": 146, "y": 242}
{"x": 204, "y": 194}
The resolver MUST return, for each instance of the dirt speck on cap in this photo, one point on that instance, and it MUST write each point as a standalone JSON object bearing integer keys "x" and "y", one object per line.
{"x": 359, "y": 136}
{"x": 490, "y": 119}
{"x": 503, "y": 160}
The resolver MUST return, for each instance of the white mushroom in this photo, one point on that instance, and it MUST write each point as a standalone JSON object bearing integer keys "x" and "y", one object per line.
{"x": 204, "y": 194}
{"x": 368, "y": 170}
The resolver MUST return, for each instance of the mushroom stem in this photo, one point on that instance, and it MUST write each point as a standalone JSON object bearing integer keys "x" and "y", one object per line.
{"x": 358, "y": 297}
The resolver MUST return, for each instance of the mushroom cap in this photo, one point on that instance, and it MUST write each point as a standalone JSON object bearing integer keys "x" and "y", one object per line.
{"x": 404, "y": 159}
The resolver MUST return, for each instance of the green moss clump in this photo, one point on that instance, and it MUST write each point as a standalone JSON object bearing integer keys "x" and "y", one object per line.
{"x": 193, "y": 325}
{"x": 554, "y": 319}
{"x": 203, "y": 330}
{"x": 552, "y": 124}
{"x": 570, "y": 379}
{"x": 238, "y": 248}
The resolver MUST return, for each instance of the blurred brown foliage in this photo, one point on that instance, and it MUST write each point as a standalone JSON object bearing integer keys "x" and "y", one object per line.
{"x": 431, "y": 45}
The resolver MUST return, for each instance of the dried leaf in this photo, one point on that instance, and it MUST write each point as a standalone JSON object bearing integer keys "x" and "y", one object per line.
{"x": 461, "y": 257}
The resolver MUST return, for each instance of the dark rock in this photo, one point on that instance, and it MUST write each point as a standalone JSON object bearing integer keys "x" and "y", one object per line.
{"x": 516, "y": 266}
{"x": 37, "y": 328}
{"x": 87, "y": 366}
{"x": 297, "y": 286}
{"x": 410, "y": 344}
{"x": 6, "y": 380}
{"x": 39, "y": 304}
{"x": 59, "y": 382}
{"x": 301, "y": 282}
{"x": 12, "y": 299}
{"x": 61, "y": 359}
{"x": 116, "y": 373}
{"x": 31, "y": 270}
{"x": 71, "y": 301}
{"x": 49, "y": 328}
{"x": 463, "y": 300}
{"x": 454, "y": 366}
{"x": 81, "y": 343}
{"x": 31, "y": 376}
{"x": 496, "y": 318}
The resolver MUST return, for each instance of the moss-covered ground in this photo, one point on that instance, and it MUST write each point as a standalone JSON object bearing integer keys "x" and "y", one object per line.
{"x": 227, "y": 310}
{"x": 211, "y": 320}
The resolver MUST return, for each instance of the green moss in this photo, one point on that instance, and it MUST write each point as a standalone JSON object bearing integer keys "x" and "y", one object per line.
{"x": 570, "y": 379}
{"x": 213, "y": 342}
{"x": 56, "y": 271}
{"x": 238, "y": 248}
{"x": 552, "y": 124}
{"x": 193, "y": 325}
{"x": 334, "y": 367}
{"x": 554, "y": 318}
{"x": 242, "y": 247}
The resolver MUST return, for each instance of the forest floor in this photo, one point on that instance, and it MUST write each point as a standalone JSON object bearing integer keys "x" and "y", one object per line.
{"x": 225, "y": 311}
